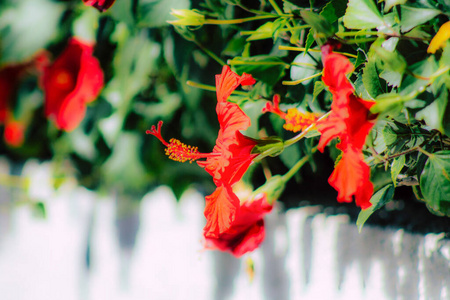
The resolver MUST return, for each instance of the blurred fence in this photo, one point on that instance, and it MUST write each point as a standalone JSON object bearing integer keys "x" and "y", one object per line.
{"x": 87, "y": 248}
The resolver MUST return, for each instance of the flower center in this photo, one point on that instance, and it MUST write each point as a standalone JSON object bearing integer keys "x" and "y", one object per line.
{"x": 63, "y": 79}
{"x": 297, "y": 120}
{"x": 181, "y": 152}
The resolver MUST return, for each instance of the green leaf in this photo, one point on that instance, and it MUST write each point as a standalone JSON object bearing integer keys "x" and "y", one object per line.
{"x": 321, "y": 26}
{"x": 123, "y": 11}
{"x": 28, "y": 26}
{"x": 390, "y": 103}
{"x": 267, "y": 68}
{"x": 362, "y": 14}
{"x": 309, "y": 40}
{"x": 393, "y": 65}
{"x": 234, "y": 46}
{"x": 434, "y": 113}
{"x": 392, "y": 60}
{"x": 360, "y": 58}
{"x": 445, "y": 58}
{"x": 371, "y": 79}
{"x": 419, "y": 33}
{"x": 396, "y": 167}
{"x": 413, "y": 16}
{"x": 156, "y": 13}
{"x": 289, "y": 7}
{"x": 377, "y": 138}
{"x": 391, "y": 3}
{"x": 435, "y": 182}
{"x": 319, "y": 86}
{"x": 134, "y": 61}
{"x": 378, "y": 200}
{"x": 392, "y": 78}
{"x": 39, "y": 210}
{"x": 332, "y": 11}
{"x": 424, "y": 68}
{"x": 389, "y": 135}
{"x": 305, "y": 65}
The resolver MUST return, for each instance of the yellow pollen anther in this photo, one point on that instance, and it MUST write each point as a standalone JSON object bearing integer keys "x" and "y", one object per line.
{"x": 297, "y": 121}
{"x": 181, "y": 152}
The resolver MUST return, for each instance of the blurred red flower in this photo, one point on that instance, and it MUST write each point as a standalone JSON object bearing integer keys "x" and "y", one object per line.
{"x": 101, "y": 5}
{"x": 247, "y": 231}
{"x": 14, "y": 134}
{"x": 70, "y": 82}
{"x": 10, "y": 78}
{"x": 230, "y": 158}
{"x": 350, "y": 121}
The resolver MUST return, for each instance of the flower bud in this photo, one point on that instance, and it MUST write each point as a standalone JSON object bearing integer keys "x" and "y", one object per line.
{"x": 187, "y": 17}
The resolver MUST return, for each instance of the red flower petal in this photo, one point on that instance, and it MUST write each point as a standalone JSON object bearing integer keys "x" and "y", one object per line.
{"x": 230, "y": 158}
{"x": 351, "y": 177}
{"x": 350, "y": 122}
{"x": 220, "y": 210}
{"x": 228, "y": 81}
{"x": 101, "y": 5}
{"x": 74, "y": 79}
{"x": 230, "y": 146}
{"x": 14, "y": 134}
{"x": 246, "y": 232}
{"x": 336, "y": 67}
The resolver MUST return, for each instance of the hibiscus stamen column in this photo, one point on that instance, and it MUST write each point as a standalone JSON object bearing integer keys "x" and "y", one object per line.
{"x": 177, "y": 150}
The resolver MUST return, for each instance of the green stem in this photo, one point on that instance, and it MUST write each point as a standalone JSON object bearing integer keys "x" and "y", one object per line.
{"x": 361, "y": 41}
{"x": 302, "y": 134}
{"x": 211, "y": 88}
{"x": 288, "y": 175}
{"x": 239, "y": 21}
{"x": 312, "y": 66}
{"x": 210, "y": 53}
{"x": 295, "y": 82}
{"x": 248, "y": 32}
{"x": 416, "y": 148}
{"x": 290, "y": 48}
{"x": 425, "y": 152}
{"x": 302, "y": 49}
{"x": 296, "y": 28}
{"x": 275, "y": 7}
{"x": 356, "y": 33}
{"x": 258, "y": 63}
{"x": 439, "y": 72}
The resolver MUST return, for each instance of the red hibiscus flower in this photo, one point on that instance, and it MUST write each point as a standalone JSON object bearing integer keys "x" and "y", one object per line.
{"x": 14, "y": 134}
{"x": 10, "y": 78}
{"x": 229, "y": 159}
{"x": 350, "y": 121}
{"x": 295, "y": 119}
{"x": 247, "y": 231}
{"x": 101, "y": 5}
{"x": 70, "y": 82}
